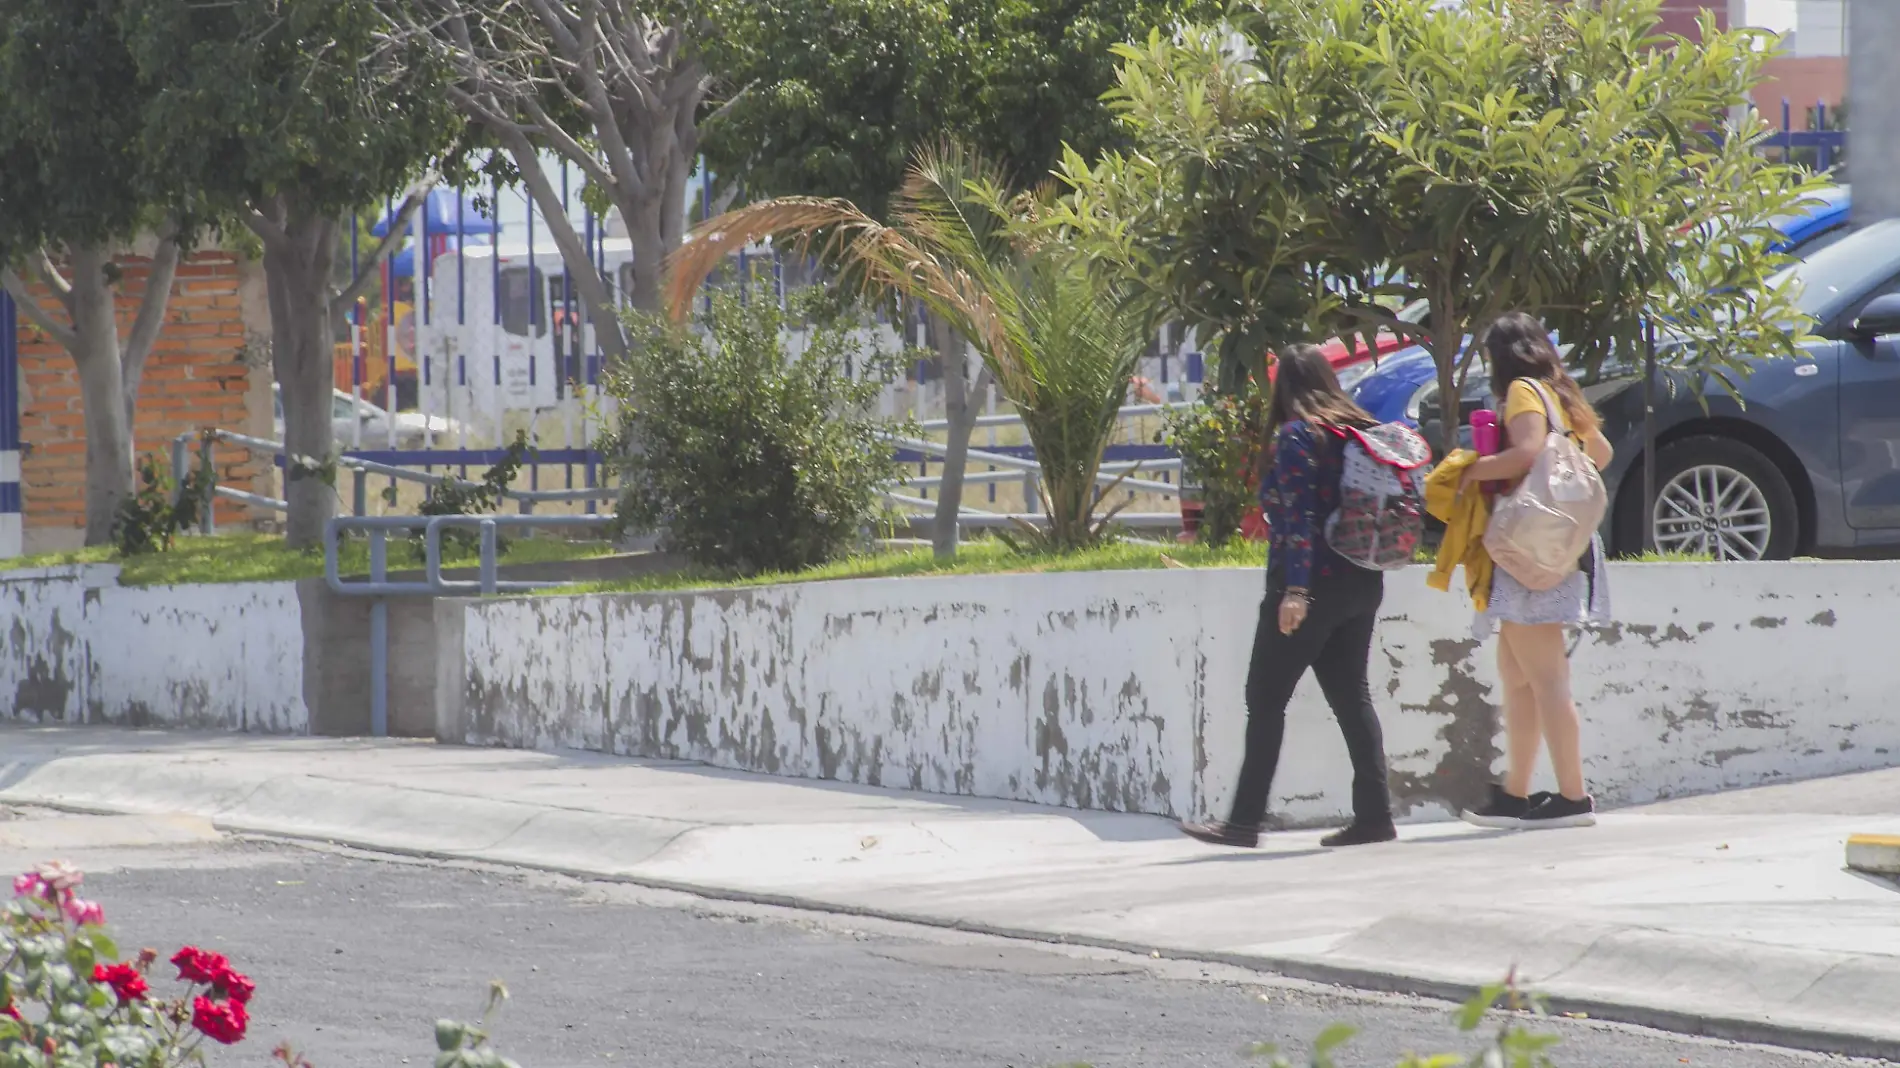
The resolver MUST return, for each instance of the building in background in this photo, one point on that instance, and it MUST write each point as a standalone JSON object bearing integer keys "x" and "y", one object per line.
{"x": 1812, "y": 68}
{"x": 1681, "y": 16}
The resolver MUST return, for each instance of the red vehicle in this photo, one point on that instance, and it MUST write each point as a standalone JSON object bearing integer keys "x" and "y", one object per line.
{"x": 1350, "y": 359}
{"x": 1355, "y": 359}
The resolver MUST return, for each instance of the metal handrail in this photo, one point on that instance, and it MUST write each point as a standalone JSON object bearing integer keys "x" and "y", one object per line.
{"x": 363, "y": 469}
{"x": 997, "y": 459}
{"x": 433, "y": 584}
{"x": 1015, "y": 419}
{"x": 431, "y": 527}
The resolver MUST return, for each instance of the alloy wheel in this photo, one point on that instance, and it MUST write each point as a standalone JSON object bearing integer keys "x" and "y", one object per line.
{"x": 1712, "y": 510}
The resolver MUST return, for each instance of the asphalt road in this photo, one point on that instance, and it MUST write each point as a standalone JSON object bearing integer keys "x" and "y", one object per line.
{"x": 356, "y": 956}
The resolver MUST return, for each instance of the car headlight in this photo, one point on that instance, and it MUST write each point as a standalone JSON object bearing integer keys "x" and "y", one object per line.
{"x": 1419, "y": 397}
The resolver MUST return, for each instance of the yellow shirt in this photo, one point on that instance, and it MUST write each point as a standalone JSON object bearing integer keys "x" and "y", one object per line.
{"x": 1523, "y": 398}
{"x": 1465, "y": 516}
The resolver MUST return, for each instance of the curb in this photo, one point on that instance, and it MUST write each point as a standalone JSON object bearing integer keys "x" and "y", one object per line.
{"x": 1874, "y": 854}
{"x": 412, "y": 823}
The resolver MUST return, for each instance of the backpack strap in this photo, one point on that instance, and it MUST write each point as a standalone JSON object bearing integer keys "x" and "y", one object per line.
{"x": 1551, "y": 407}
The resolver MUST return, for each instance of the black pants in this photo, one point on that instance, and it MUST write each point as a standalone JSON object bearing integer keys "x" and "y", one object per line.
{"x": 1336, "y": 642}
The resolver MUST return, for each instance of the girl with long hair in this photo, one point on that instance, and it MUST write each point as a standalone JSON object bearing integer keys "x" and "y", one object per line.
{"x": 1319, "y": 609}
{"x": 1538, "y": 395}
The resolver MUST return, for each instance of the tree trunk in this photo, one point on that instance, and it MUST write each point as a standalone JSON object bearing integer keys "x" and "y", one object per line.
{"x": 595, "y": 291}
{"x": 961, "y": 401}
{"x": 1447, "y": 329}
{"x": 648, "y": 237}
{"x": 151, "y": 318}
{"x": 297, "y": 264}
{"x": 1446, "y": 350}
{"x": 102, "y": 391}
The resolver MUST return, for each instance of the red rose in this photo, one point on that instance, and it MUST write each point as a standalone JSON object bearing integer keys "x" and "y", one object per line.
{"x": 13, "y": 1011}
{"x": 124, "y": 980}
{"x": 197, "y": 966}
{"x": 220, "y": 1021}
{"x": 234, "y": 985}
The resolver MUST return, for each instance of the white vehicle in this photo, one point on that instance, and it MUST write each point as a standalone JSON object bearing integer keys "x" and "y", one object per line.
{"x": 507, "y": 343}
{"x": 354, "y": 421}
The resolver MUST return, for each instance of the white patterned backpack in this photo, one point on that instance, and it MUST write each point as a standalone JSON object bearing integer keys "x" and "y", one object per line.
{"x": 1381, "y": 515}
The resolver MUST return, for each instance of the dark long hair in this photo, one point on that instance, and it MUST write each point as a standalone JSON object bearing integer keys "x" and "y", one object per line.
{"x": 1518, "y": 346}
{"x": 1306, "y": 389}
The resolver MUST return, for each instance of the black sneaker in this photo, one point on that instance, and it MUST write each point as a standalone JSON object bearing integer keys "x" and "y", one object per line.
{"x": 1504, "y": 811}
{"x": 1220, "y": 832}
{"x": 1360, "y": 834}
{"x": 1559, "y": 811}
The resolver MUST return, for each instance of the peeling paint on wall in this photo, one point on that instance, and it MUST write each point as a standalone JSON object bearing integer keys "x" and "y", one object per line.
{"x": 82, "y": 649}
{"x": 1122, "y": 691}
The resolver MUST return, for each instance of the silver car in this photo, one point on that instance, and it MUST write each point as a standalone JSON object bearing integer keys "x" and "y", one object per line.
{"x": 414, "y": 430}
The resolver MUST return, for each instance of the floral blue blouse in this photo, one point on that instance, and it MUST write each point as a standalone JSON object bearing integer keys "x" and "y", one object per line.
{"x": 1296, "y": 498}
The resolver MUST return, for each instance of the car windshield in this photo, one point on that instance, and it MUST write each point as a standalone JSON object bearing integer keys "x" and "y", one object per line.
{"x": 1834, "y": 276}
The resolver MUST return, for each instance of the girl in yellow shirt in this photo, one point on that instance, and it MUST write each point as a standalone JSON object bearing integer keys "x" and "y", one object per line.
{"x": 1533, "y": 663}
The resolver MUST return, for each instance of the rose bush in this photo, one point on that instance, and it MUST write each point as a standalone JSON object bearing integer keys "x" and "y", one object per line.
{"x": 67, "y": 1002}
{"x": 66, "y": 999}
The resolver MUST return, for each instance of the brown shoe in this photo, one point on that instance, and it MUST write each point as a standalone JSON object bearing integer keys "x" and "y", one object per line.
{"x": 1217, "y": 832}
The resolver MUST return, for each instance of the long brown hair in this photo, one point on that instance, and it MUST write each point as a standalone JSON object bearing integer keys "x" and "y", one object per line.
{"x": 1306, "y": 389}
{"x": 1518, "y": 346}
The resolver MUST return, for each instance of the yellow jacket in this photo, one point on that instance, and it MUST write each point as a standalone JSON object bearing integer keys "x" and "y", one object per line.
{"x": 1465, "y": 516}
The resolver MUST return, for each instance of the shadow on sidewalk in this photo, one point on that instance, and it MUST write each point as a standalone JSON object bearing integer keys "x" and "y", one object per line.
{"x": 1239, "y": 856}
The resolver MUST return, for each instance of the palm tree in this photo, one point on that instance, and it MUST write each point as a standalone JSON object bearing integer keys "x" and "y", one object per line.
{"x": 1060, "y": 343}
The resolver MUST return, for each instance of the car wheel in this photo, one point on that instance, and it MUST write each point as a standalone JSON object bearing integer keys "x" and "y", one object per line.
{"x": 1715, "y": 497}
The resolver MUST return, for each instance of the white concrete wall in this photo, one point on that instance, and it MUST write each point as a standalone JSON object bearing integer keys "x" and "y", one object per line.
{"x": 1122, "y": 690}
{"x": 80, "y": 648}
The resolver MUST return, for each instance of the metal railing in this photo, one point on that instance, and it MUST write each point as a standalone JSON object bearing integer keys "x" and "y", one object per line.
{"x": 434, "y": 584}
{"x": 361, "y": 471}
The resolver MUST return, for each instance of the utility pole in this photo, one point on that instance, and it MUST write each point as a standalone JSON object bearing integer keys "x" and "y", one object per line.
{"x": 1873, "y": 85}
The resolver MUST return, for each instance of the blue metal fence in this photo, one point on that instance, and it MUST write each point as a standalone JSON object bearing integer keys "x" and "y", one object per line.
{"x": 1829, "y": 146}
{"x": 12, "y": 533}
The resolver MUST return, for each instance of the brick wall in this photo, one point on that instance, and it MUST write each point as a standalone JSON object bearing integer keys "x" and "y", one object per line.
{"x": 1680, "y": 16}
{"x": 1802, "y": 81}
{"x": 195, "y": 377}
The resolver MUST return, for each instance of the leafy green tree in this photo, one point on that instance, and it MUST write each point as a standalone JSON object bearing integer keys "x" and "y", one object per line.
{"x": 830, "y": 97}
{"x": 288, "y": 114}
{"x": 1249, "y": 198}
{"x": 1039, "y": 69}
{"x": 612, "y": 87}
{"x": 76, "y": 190}
{"x": 1559, "y": 158}
{"x": 1303, "y": 159}
{"x": 1060, "y": 342}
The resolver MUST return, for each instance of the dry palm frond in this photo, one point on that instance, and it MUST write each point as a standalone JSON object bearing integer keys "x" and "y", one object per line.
{"x": 882, "y": 258}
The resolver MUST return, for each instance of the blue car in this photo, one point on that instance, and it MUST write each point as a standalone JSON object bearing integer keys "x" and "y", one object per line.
{"x": 1392, "y": 390}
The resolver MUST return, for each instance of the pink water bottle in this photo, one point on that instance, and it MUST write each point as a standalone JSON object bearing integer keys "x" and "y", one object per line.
{"x": 1484, "y": 437}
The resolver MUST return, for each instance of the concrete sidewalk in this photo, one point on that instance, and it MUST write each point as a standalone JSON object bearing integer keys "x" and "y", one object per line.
{"x": 1728, "y": 915}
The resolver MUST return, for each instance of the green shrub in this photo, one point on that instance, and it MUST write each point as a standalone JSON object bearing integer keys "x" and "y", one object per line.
{"x": 455, "y": 496}
{"x": 152, "y": 518}
{"x": 1218, "y": 438}
{"x": 742, "y": 455}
